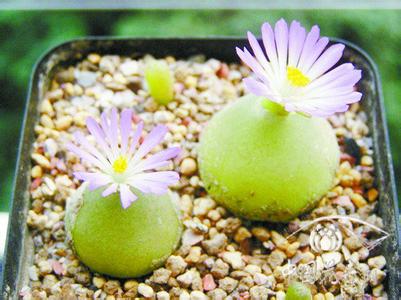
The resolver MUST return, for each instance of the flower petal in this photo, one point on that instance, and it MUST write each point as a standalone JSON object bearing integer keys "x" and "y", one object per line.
{"x": 105, "y": 123}
{"x": 95, "y": 180}
{"x": 168, "y": 177}
{"x": 154, "y": 182}
{"x": 331, "y": 76}
{"x": 90, "y": 148}
{"x": 295, "y": 43}
{"x": 328, "y": 59}
{"x": 110, "y": 190}
{"x": 98, "y": 133}
{"x": 281, "y": 36}
{"x": 260, "y": 56}
{"x": 85, "y": 155}
{"x": 126, "y": 196}
{"x": 252, "y": 63}
{"x": 125, "y": 128}
{"x": 314, "y": 55}
{"x": 311, "y": 39}
{"x": 157, "y": 188}
{"x": 158, "y": 160}
{"x": 258, "y": 88}
{"x": 135, "y": 138}
{"x": 152, "y": 139}
{"x": 114, "y": 128}
{"x": 270, "y": 45}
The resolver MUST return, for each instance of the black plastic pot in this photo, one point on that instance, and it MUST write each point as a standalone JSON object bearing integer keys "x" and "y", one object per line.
{"x": 19, "y": 251}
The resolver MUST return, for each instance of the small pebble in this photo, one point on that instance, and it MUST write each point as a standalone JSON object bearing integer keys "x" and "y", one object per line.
{"x": 259, "y": 293}
{"x": 216, "y": 244}
{"x": 162, "y": 295}
{"x": 378, "y": 262}
{"x": 41, "y": 160}
{"x": 198, "y": 295}
{"x": 372, "y": 194}
{"x": 36, "y": 172}
{"x": 188, "y": 166}
{"x": 208, "y": 283}
{"x": 366, "y": 161}
{"x": 376, "y": 276}
{"x": 234, "y": 259}
{"x": 63, "y": 123}
{"x": 217, "y": 294}
{"x": 358, "y": 200}
{"x": 145, "y": 290}
{"x": 176, "y": 264}
{"x": 98, "y": 282}
{"x": 228, "y": 284}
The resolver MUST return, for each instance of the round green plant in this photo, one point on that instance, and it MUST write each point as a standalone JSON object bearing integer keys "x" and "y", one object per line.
{"x": 264, "y": 164}
{"x": 122, "y": 242}
{"x": 298, "y": 291}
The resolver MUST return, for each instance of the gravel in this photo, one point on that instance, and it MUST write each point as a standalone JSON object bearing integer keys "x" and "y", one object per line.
{"x": 221, "y": 255}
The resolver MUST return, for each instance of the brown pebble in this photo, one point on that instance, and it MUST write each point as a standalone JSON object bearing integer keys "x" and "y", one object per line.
{"x": 98, "y": 282}
{"x": 41, "y": 160}
{"x": 372, "y": 194}
{"x": 220, "y": 269}
{"x": 242, "y": 234}
{"x": 36, "y": 172}
{"x": 358, "y": 200}
{"x": 188, "y": 166}
{"x": 63, "y": 123}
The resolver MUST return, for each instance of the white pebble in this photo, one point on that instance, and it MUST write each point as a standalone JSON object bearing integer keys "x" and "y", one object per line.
{"x": 234, "y": 259}
{"x": 191, "y": 238}
{"x": 51, "y": 147}
{"x": 188, "y": 166}
{"x": 33, "y": 273}
{"x": 198, "y": 295}
{"x": 184, "y": 296}
{"x": 85, "y": 78}
{"x": 129, "y": 67}
{"x": 162, "y": 295}
{"x": 145, "y": 290}
{"x": 260, "y": 279}
{"x": 331, "y": 259}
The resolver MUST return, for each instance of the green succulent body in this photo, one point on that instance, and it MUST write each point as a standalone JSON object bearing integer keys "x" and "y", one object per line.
{"x": 298, "y": 291}
{"x": 160, "y": 81}
{"x": 123, "y": 242}
{"x": 266, "y": 166}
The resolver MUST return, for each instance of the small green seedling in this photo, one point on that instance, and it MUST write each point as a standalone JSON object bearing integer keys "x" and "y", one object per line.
{"x": 160, "y": 81}
{"x": 298, "y": 291}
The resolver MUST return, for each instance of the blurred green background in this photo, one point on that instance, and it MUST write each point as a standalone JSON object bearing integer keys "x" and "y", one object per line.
{"x": 25, "y": 36}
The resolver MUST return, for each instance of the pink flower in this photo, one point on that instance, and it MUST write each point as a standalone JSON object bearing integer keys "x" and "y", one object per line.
{"x": 297, "y": 70}
{"x": 121, "y": 164}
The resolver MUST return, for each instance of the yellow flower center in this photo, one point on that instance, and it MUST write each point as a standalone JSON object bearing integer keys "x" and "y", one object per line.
{"x": 296, "y": 77}
{"x": 120, "y": 164}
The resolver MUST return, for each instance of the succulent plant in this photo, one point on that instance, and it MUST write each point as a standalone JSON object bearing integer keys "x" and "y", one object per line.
{"x": 122, "y": 242}
{"x": 265, "y": 166}
{"x": 160, "y": 81}
{"x": 272, "y": 158}
{"x": 298, "y": 291}
{"x": 121, "y": 221}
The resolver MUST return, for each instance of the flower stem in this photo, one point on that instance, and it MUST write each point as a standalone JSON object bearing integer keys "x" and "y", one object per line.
{"x": 274, "y": 107}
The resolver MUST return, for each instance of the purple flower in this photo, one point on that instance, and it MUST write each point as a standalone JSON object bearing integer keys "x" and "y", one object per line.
{"x": 121, "y": 164}
{"x": 295, "y": 69}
